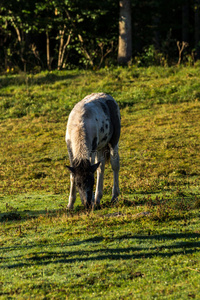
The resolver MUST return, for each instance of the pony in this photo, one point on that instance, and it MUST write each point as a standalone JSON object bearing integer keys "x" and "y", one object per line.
{"x": 92, "y": 137}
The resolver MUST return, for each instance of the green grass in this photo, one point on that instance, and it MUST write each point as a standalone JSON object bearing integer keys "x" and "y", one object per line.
{"x": 144, "y": 247}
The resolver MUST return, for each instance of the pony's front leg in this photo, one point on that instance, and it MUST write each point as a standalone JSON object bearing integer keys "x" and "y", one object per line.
{"x": 72, "y": 194}
{"x": 99, "y": 185}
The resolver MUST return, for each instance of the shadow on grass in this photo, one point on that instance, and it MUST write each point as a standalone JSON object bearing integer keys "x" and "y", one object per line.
{"x": 27, "y": 214}
{"x": 177, "y": 247}
{"x": 17, "y": 215}
{"x": 26, "y": 79}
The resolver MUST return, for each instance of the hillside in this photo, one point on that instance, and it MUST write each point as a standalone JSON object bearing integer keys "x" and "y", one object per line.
{"x": 150, "y": 239}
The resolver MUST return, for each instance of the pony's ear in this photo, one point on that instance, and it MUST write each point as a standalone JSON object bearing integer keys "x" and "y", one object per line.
{"x": 94, "y": 167}
{"x": 71, "y": 169}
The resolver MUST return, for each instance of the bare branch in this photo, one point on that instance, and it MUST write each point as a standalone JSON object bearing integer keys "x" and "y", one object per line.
{"x": 16, "y": 29}
{"x": 101, "y": 45}
{"x": 181, "y": 47}
{"x": 85, "y": 51}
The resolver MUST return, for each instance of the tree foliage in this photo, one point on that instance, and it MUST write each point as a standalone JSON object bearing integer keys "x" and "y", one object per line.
{"x": 53, "y": 34}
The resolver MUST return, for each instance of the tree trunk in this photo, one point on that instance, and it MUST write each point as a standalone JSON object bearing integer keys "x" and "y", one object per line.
{"x": 125, "y": 32}
{"x": 20, "y": 37}
{"x": 197, "y": 28}
{"x": 62, "y": 48}
{"x": 48, "y": 52}
{"x": 156, "y": 34}
{"x": 5, "y": 58}
{"x": 185, "y": 22}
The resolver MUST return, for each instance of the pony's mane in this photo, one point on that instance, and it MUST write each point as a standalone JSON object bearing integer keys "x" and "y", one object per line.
{"x": 80, "y": 149}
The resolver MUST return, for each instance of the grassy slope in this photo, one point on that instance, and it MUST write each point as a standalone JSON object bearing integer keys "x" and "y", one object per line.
{"x": 46, "y": 251}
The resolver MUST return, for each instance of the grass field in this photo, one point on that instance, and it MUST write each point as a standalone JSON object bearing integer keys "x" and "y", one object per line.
{"x": 146, "y": 246}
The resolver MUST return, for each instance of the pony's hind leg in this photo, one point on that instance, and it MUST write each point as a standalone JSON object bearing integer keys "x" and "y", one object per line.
{"x": 114, "y": 159}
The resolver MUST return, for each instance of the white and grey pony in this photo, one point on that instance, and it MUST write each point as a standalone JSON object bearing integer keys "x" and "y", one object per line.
{"x": 92, "y": 135}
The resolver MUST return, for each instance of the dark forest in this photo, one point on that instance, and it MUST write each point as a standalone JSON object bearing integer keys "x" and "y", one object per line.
{"x": 38, "y": 35}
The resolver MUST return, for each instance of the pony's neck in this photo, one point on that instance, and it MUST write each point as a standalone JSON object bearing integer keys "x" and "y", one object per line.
{"x": 79, "y": 144}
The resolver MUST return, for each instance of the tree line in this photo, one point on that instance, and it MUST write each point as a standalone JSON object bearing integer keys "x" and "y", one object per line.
{"x": 56, "y": 34}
